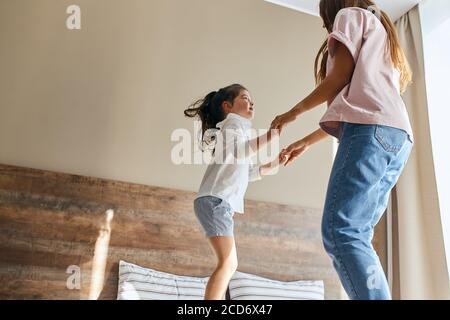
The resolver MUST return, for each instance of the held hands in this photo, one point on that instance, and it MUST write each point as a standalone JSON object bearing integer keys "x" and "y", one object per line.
{"x": 271, "y": 167}
{"x": 285, "y": 157}
{"x": 282, "y": 120}
{"x": 294, "y": 151}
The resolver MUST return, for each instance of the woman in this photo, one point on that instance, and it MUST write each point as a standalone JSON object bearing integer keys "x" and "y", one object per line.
{"x": 362, "y": 74}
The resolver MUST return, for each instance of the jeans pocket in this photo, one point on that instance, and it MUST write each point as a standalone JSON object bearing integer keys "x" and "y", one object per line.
{"x": 391, "y": 139}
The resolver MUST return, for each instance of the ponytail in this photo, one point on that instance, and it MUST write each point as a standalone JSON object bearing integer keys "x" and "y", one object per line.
{"x": 210, "y": 109}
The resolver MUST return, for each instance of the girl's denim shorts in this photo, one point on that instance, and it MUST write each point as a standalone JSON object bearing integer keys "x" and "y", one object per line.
{"x": 215, "y": 216}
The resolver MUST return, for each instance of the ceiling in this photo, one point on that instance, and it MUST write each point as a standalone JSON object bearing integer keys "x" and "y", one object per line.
{"x": 395, "y": 8}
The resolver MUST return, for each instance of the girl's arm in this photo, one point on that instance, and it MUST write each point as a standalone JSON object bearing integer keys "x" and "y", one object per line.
{"x": 259, "y": 142}
{"x": 270, "y": 168}
{"x": 258, "y": 171}
{"x": 288, "y": 155}
{"x": 233, "y": 140}
{"x": 337, "y": 79}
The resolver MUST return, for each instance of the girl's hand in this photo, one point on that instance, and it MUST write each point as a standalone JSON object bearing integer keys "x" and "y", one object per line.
{"x": 282, "y": 120}
{"x": 295, "y": 150}
{"x": 271, "y": 167}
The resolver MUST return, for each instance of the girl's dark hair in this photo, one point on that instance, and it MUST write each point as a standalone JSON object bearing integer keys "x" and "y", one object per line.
{"x": 209, "y": 109}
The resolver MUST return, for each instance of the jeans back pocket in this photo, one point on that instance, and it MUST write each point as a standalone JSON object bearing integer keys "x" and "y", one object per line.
{"x": 391, "y": 139}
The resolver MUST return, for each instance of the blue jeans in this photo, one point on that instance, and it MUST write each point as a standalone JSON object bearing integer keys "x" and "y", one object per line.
{"x": 368, "y": 164}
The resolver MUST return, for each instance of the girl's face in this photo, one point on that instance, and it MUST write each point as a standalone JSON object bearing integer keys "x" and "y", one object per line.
{"x": 243, "y": 105}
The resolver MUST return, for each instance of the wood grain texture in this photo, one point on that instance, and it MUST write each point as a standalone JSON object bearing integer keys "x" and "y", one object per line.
{"x": 50, "y": 221}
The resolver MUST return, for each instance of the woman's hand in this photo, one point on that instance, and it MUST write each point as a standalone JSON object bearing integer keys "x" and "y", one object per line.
{"x": 282, "y": 120}
{"x": 295, "y": 150}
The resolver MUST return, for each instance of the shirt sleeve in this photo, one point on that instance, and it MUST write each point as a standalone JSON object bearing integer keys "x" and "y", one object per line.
{"x": 234, "y": 145}
{"x": 254, "y": 173}
{"x": 348, "y": 29}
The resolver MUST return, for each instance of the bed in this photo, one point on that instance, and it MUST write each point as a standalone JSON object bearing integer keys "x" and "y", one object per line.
{"x": 62, "y": 236}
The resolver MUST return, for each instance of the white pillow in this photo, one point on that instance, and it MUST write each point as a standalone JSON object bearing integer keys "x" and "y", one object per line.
{"x": 244, "y": 286}
{"x": 138, "y": 283}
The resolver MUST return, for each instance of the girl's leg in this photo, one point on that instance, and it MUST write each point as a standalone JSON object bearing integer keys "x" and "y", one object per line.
{"x": 225, "y": 250}
{"x": 356, "y": 195}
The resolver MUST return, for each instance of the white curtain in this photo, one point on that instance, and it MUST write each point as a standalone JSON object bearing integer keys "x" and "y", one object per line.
{"x": 422, "y": 269}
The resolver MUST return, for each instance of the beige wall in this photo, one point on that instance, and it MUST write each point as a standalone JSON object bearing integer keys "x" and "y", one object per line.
{"x": 104, "y": 100}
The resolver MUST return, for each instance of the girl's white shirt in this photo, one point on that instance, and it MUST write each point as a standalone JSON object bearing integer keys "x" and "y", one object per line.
{"x": 230, "y": 170}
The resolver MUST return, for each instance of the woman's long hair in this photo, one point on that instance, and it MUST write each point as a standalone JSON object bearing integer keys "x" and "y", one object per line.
{"x": 328, "y": 12}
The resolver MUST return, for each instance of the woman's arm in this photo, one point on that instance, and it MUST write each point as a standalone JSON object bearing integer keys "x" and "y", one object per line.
{"x": 339, "y": 77}
{"x": 336, "y": 80}
{"x": 299, "y": 147}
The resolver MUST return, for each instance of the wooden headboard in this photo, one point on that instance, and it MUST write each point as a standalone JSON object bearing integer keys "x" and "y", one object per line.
{"x": 55, "y": 226}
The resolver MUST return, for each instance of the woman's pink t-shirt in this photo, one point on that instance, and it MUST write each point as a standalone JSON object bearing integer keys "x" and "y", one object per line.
{"x": 373, "y": 95}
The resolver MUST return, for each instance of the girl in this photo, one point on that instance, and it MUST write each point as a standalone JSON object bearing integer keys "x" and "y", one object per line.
{"x": 362, "y": 73}
{"x": 222, "y": 190}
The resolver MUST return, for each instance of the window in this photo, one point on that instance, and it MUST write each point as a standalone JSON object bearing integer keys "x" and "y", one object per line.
{"x": 435, "y": 16}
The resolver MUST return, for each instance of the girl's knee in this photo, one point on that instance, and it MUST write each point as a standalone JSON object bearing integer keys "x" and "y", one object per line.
{"x": 233, "y": 265}
{"x": 230, "y": 265}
